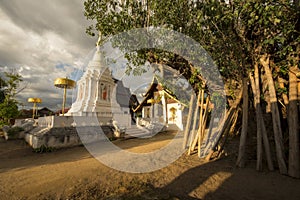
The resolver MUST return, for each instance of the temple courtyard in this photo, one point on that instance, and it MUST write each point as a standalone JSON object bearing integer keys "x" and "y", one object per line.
{"x": 72, "y": 173}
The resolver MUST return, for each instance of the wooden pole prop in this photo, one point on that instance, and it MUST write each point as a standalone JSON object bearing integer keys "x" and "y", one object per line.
{"x": 261, "y": 127}
{"x": 188, "y": 123}
{"x": 265, "y": 61}
{"x": 200, "y": 124}
{"x": 258, "y": 124}
{"x": 293, "y": 119}
{"x": 241, "y": 156}
{"x": 195, "y": 122}
{"x": 201, "y": 128}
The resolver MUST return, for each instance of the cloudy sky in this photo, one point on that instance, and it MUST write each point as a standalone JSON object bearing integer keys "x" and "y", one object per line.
{"x": 43, "y": 40}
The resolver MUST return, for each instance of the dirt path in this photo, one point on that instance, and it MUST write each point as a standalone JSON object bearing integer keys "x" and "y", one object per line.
{"x": 73, "y": 174}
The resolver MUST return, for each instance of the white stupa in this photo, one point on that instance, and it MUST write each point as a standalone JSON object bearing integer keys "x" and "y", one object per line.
{"x": 97, "y": 94}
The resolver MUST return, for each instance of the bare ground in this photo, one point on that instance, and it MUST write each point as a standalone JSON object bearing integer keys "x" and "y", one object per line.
{"x": 74, "y": 174}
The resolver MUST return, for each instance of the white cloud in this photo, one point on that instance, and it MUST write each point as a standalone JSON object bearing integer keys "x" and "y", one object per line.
{"x": 43, "y": 40}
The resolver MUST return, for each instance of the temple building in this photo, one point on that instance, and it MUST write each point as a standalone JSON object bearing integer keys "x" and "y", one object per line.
{"x": 160, "y": 105}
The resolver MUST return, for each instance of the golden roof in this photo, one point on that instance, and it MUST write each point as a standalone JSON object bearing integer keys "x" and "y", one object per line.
{"x": 34, "y": 100}
{"x": 64, "y": 83}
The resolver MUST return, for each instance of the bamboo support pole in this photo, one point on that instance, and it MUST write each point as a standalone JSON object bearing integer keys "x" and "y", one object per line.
{"x": 201, "y": 124}
{"x": 265, "y": 61}
{"x": 195, "y": 118}
{"x": 188, "y": 123}
{"x": 201, "y": 129}
{"x": 256, "y": 93}
{"x": 241, "y": 156}
{"x": 293, "y": 119}
{"x": 261, "y": 127}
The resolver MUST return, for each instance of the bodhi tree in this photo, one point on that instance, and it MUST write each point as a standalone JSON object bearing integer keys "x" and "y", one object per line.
{"x": 252, "y": 42}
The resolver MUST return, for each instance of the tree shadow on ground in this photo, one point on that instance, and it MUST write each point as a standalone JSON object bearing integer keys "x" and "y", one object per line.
{"x": 222, "y": 180}
{"x": 186, "y": 185}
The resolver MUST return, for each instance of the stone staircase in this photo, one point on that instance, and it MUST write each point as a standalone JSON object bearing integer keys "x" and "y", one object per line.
{"x": 137, "y": 132}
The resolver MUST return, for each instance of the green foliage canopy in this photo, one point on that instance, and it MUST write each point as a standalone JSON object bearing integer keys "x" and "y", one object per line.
{"x": 235, "y": 32}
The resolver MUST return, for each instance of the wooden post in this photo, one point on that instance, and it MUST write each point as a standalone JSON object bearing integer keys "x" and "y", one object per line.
{"x": 293, "y": 119}
{"x": 265, "y": 61}
{"x": 201, "y": 123}
{"x": 261, "y": 127}
{"x": 228, "y": 129}
{"x": 201, "y": 128}
{"x": 195, "y": 119}
{"x": 204, "y": 120}
{"x": 241, "y": 156}
{"x": 258, "y": 117}
{"x": 227, "y": 121}
{"x": 188, "y": 123}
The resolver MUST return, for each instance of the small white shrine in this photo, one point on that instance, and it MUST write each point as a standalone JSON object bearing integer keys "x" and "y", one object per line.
{"x": 97, "y": 94}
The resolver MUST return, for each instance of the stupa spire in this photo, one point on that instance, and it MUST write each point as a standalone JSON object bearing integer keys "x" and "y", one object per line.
{"x": 98, "y": 60}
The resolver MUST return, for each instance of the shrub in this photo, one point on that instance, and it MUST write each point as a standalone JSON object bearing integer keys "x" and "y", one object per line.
{"x": 43, "y": 149}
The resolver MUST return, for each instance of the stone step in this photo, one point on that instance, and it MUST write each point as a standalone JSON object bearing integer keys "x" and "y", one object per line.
{"x": 136, "y": 132}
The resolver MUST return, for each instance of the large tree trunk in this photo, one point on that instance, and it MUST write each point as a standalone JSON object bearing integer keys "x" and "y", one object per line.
{"x": 241, "y": 157}
{"x": 293, "y": 119}
{"x": 264, "y": 60}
